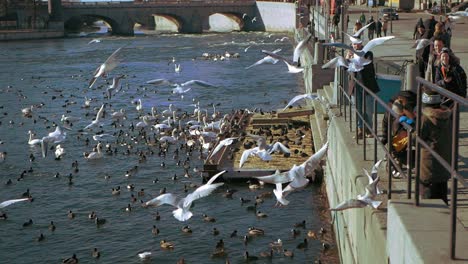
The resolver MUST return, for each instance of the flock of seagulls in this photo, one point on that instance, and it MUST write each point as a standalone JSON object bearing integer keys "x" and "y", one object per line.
{"x": 172, "y": 132}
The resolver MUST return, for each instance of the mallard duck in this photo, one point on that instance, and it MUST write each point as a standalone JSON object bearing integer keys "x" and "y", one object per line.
{"x": 261, "y": 214}
{"x": 72, "y": 260}
{"x": 155, "y": 230}
{"x": 300, "y": 224}
{"x": 248, "y": 257}
{"x": 96, "y": 254}
{"x": 186, "y": 229}
{"x": 288, "y": 253}
{"x": 166, "y": 245}
{"x": 302, "y": 245}
{"x": 207, "y": 218}
{"x": 52, "y": 226}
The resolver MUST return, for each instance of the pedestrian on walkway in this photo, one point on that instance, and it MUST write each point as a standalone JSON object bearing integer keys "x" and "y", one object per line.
{"x": 450, "y": 76}
{"x": 362, "y": 18}
{"x": 422, "y": 55}
{"x": 371, "y": 28}
{"x": 385, "y": 25}
{"x": 336, "y": 22}
{"x": 357, "y": 27}
{"x": 367, "y": 77}
{"x": 419, "y": 23}
{"x": 378, "y": 28}
{"x": 436, "y": 126}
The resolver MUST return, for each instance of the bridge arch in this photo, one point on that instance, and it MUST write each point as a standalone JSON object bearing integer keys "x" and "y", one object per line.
{"x": 224, "y": 22}
{"x": 167, "y": 23}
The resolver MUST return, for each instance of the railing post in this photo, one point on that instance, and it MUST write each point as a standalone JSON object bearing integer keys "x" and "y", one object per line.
{"x": 374, "y": 128}
{"x": 454, "y": 189}
{"x": 409, "y": 160}
{"x": 390, "y": 148}
{"x": 364, "y": 122}
{"x": 418, "y": 148}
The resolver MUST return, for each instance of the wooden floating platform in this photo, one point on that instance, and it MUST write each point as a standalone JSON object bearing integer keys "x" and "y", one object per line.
{"x": 269, "y": 125}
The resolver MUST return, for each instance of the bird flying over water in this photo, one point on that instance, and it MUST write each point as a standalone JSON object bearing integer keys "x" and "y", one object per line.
{"x": 266, "y": 59}
{"x": 13, "y": 201}
{"x": 113, "y": 87}
{"x": 111, "y": 62}
{"x": 300, "y": 97}
{"x": 182, "y": 213}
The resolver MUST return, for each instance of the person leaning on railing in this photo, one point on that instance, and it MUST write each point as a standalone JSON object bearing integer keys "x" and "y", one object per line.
{"x": 436, "y": 131}
{"x": 450, "y": 76}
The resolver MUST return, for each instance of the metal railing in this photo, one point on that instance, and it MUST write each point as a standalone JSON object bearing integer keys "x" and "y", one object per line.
{"x": 346, "y": 108}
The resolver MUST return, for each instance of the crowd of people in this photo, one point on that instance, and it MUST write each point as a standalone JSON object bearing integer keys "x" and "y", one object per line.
{"x": 438, "y": 64}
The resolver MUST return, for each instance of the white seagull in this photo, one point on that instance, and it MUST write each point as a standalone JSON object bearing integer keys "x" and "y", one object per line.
{"x": 57, "y": 136}
{"x": 300, "y": 97}
{"x": 97, "y": 122}
{"x": 94, "y": 41}
{"x": 262, "y": 150}
{"x": 13, "y": 201}
{"x": 113, "y": 87}
{"x": 106, "y": 67}
{"x": 223, "y": 143}
{"x": 182, "y": 213}
{"x": 266, "y": 59}
{"x": 355, "y": 64}
{"x": 300, "y": 47}
{"x": 371, "y": 44}
{"x": 421, "y": 43}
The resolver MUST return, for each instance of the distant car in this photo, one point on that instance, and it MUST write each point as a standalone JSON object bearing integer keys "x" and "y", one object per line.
{"x": 460, "y": 7}
{"x": 389, "y": 12}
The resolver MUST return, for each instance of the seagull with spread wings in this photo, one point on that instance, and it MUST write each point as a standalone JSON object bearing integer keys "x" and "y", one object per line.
{"x": 366, "y": 199}
{"x": 223, "y": 143}
{"x": 113, "y": 87}
{"x": 266, "y": 59}
{"x": 300, "y": 97}
{"x": 97, "y": 122}
{"x": 106, "y": 67}
{"x": 370, "y": 45}
{"x": 262, "y": 150}
{"x": 355, "y": 64}
{"x": 182, "y": 213}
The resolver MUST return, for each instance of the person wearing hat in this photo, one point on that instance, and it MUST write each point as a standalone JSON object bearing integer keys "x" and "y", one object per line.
{"x": 367, "y": 77}
{"x": 450, "y": 76}
{"x": 422, "y": 55}
{"x": 436, "y": 127}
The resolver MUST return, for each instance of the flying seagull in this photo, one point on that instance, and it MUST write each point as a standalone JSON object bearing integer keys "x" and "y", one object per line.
{"x": 262, "y": 150}
{"x": 300, "y": 97}
{"x": 182, "y": 213}
{"x": 266, "y": 59}
{"x": 371, "y": 44}
{"x": 106, "y": 67}
{"x": 355, "y": 64}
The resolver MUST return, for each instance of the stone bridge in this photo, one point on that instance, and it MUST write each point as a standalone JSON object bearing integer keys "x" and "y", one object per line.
{"x": 187, "y": 16}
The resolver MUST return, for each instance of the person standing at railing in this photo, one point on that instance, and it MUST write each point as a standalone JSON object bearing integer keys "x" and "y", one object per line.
{"x": 451, "y": 76}
{"x": 436, "y": 131}
{"x": 367, "y": 77}
{"x": 378, "y": 28}
{"x": 371, "y": 28}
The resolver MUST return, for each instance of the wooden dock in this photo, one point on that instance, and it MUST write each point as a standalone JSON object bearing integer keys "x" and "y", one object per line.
{"x": 291, "y": 127}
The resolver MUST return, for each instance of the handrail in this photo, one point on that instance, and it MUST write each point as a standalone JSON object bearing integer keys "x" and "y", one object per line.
{"x": 413, "y": 139}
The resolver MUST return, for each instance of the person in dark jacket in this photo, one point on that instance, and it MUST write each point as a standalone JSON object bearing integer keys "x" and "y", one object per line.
{"x": 450, "y": 76}
{"x": 429, "y": 24}
{"x": 378, "y": 28}
{"x": 371, "y": 28}
{"x": 367, "y": 77}
{"x": 418, "y": 24}
{"x": 436, "y": 126}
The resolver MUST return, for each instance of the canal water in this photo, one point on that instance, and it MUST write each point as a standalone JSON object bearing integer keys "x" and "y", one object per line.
{"x": 53, "y": 76}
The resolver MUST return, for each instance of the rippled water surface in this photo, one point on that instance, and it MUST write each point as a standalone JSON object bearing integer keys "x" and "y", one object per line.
{"x": 55, "y": 73}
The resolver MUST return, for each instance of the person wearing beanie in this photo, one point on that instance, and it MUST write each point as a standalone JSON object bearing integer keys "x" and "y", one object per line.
{"x": 422, "y": 55}
{"x": 450, "y": 76}
{"x": 436, "y": 127}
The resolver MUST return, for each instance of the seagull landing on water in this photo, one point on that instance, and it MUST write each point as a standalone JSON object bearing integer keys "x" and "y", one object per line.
{"x": 113, "y": 87}
{"x": 300, "y": 97}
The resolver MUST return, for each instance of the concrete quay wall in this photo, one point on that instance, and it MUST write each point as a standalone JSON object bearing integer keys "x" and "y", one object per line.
{"x": 277, "y": 16}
